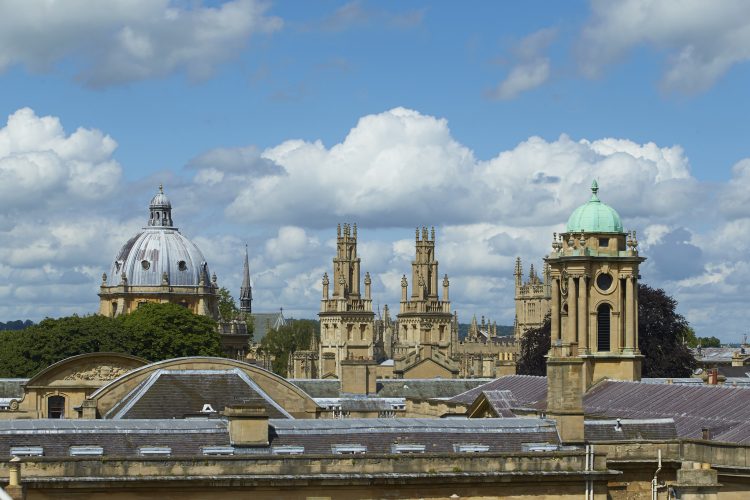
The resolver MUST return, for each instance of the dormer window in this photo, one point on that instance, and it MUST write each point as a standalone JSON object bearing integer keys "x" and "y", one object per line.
{"x": 182, "y": 265}
{"x": 146, "y": 265}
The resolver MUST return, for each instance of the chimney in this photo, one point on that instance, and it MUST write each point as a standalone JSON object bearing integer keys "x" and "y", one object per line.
{"x": 706, "y": 433}
{"x": 248, "y": 425}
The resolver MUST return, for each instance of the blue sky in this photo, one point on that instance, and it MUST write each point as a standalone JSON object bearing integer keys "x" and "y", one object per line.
{"x": 268, "y": 122}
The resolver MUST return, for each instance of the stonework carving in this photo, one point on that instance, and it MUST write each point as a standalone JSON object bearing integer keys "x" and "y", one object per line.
{"x": 98, "y": 372}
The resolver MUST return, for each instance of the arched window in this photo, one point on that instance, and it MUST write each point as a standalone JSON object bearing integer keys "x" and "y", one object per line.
{"x": 603, "y": 314}
{"x": 55, "y": 407}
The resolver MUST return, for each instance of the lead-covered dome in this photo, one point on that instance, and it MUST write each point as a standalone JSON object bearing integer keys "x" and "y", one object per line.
{"x": 594, "y": 216}
{"x": 160, "y": 253}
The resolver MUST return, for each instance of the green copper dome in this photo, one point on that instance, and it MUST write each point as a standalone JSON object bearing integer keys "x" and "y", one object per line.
{"x": 594, "y": 216}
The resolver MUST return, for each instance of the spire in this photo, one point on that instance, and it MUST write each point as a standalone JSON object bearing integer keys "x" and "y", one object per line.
{"x": 594, "y": 190}
{"x": 246, "y": 291}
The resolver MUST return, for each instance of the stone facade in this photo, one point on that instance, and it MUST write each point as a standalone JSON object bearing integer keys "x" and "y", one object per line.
{"x": 347, "y": 321}
{"x": 423, "y": 341}
{"x": 532, "y": 298}
{"x": 593, "y": 271}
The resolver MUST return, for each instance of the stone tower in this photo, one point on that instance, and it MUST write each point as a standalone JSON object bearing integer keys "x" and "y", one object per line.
{"x": 346, "y": 318}
{"x": 594, "y": 310}
{"x": 424, "y": 321}
{"x": 246, "y": 290}
{"x": 532, "y": 298}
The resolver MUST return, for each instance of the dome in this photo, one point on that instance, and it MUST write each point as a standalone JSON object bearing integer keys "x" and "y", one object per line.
{"x": 158, "y": 249}
{"x": 160, "y": 200}
{"x": 594, "y": 216}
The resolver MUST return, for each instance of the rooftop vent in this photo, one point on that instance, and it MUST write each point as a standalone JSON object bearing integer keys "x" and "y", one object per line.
{"x": 407, "y": 448}
{"x": 539, "y": 447}
{"x": 154, "y": 451}
{"x": 218, "y": 450}
{"x": 471, "y": 448}
{"x": 288, "y": 450}
{"x": 86, "y": 451}
{"x": 348, "y": 449}
{"x": 26, "y": 451}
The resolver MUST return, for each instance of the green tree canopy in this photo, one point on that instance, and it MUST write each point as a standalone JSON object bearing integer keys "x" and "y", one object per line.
{"x": 25, "y": 352}
{"x": 163, "y": 331}
{"x": 282, "y": 343}
{"x": 535, "y": 344}
{"x": 153, "y": 332}
{"x": 227, "y": 306}
{"x": 694, "y": 341}
{"x": 660, "y": 335}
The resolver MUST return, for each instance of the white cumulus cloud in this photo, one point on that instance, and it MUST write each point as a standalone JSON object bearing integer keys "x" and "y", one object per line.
{"x": 701, "y": 40}
{"x": 120, "y": 41}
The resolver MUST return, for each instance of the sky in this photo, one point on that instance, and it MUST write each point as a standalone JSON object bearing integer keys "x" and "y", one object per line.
{"x": 269, "y": 122}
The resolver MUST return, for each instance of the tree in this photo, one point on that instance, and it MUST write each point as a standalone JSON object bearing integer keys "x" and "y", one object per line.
{"x": 25, "y": 352}
{"x": 660, "y": 335}
{"x": 693, "y": 341}
{"x": 227, "y": 306}
{"x": 163, "y": 331}
{"x": 284, "y": 342}
{"x": 535, "y": 344}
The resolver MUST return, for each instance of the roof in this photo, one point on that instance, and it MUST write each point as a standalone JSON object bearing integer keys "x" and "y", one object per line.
{"x": 630, "y": 429}
{"x": 594, "y": 216}
{"x": 116, "y": 437}
{"x": 501, "y": 402}
{"x": 262, "y": 322}
{"x": 145, "y": 257}
{"x": 692, "y": 407}
{"x": 188, "y": 437}
{"x": 677, "y": 380}
{"x": 426, "y": 388}
{"x": 318, "y": 388}
{"x": 362, "y": 403}
{"x": 714, "y": 354}
{"x": 177, "y": 393}
{"x": 12, "y": 387}
{"x": 438, "y": 435}
{"x": 527, "y": 390}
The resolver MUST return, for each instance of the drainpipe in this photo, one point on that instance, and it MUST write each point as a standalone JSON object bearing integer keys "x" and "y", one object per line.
{"x": 655, "y": 481}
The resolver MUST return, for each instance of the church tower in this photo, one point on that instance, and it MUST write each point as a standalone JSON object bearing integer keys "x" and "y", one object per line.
{"x": 532, "y": 299}
{"x": 246, "y": 290}
{"x": 346, "y": 318}
{"x": 424, "y": 321}
{"x": 594, "y": 310}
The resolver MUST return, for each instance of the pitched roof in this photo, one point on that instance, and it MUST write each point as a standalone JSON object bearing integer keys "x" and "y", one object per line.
{"x": 425, "y": 388}
{"x": 630, "y": 429}
{"x": 528, "y": 390}
{"x": 438, "y": 435}
{"x": 177, "y": 393}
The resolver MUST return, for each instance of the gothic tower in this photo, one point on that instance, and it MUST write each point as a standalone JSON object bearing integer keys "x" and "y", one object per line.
{"x": 246, "y": 290}
{"x": 346, "y": 319}
{"x": 424, "y": 321}
{"x": 532, "y": 299}
{"x": 594, "y": 310}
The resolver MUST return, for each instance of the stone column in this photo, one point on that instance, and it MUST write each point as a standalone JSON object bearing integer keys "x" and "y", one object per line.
{"x": 583, "y": 314}
{"x": 572, "y": 334}
{"x": 635, "y": 312}
{"x": 629, "y": 314}
{"x": 555, "y": 309}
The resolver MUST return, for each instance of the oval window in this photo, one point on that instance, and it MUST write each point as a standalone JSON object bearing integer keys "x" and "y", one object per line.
{"x": 604, "y": 281}
{"x": 182, "y": 266}
{"x": 145, "y": 265}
